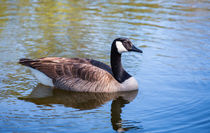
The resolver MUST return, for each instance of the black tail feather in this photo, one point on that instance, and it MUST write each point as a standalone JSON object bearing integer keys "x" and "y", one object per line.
{"x": 26, "y": 62}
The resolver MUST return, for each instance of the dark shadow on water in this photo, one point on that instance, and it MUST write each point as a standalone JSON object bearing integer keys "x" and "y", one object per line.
{"x": 117, "y": 122}
{"x": 43, "y": 95}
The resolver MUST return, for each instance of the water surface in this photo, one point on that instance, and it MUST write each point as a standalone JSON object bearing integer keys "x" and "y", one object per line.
{"x": 173, "y": 72}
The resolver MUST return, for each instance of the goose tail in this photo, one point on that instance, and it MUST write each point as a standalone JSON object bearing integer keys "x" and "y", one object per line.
{"x": 26, "y": 61}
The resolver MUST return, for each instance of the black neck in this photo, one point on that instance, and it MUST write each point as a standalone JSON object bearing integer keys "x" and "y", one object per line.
{"x": 119, "y": 73}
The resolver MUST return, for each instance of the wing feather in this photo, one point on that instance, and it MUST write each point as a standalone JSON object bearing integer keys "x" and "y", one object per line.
{"x": 87, "y": 78}
{"x": 75, "y": 74}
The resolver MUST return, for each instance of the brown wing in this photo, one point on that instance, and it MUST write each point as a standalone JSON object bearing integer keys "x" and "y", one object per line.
{"x": 73, "y": 73}
{"x": 52, "y": 66}
{"x": 87, "y": 78}
{"x": 53, "y": 60}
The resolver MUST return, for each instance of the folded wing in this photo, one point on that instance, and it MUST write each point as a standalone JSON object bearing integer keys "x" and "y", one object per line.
{"x": 74, "y": 74}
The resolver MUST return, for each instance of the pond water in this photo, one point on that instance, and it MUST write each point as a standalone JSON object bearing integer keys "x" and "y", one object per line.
{"x": 173, "y": 72}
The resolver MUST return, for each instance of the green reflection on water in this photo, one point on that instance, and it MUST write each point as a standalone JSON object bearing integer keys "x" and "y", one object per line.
{"x": 173, "y": 35}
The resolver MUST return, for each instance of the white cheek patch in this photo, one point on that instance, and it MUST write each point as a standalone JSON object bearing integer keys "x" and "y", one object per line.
{"x": 120, "y": 47}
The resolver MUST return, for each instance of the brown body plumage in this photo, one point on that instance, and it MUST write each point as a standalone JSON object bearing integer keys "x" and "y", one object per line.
{"x": 74, "y": 73}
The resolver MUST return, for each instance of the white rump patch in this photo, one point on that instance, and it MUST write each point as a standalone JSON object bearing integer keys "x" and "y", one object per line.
{"x": 42, "y": 78}
{"x": 120, "y": 47}
{"x": 130, "y": 84}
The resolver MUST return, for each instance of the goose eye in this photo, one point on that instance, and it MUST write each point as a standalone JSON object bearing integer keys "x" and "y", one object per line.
{"x": 129, "y": 44}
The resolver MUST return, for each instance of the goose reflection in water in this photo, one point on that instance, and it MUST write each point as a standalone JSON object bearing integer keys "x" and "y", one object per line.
{"x": 43, "y": 95}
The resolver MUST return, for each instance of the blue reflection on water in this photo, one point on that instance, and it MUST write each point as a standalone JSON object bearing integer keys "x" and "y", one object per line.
{"x": 173, "y": 72}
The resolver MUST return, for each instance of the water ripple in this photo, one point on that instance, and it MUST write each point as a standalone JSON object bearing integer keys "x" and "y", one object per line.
{"x": 173, "y": 72}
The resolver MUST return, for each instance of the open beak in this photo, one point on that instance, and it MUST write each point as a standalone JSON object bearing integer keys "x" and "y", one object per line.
{"x": 135, "y": 49}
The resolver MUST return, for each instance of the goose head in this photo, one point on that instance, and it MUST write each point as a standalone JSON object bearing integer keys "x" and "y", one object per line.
{"x": 124, "y": 45}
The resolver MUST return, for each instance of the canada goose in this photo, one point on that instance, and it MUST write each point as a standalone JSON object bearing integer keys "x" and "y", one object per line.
{"x": 85, "y": 75}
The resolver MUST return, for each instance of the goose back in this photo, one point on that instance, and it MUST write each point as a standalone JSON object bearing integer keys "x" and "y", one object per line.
{"x": 76, "y": 74}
